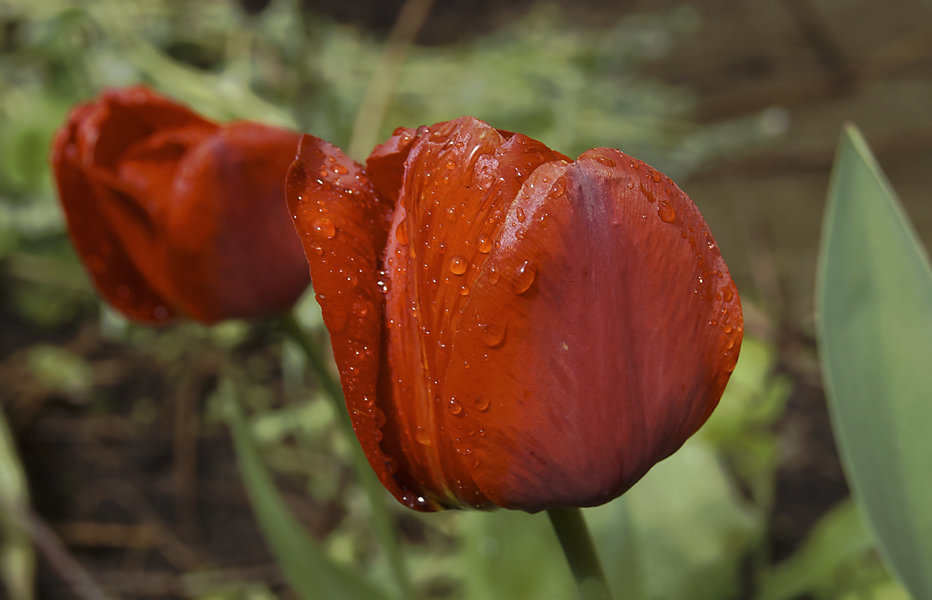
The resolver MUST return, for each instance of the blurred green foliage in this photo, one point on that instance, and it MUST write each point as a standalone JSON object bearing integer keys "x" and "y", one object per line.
{"x": 17, "y": 556}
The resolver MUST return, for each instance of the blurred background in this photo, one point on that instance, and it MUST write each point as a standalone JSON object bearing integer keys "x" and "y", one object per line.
{"x": 116, "y": 428}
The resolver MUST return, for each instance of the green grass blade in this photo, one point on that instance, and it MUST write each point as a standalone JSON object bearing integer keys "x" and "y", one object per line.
{"x": 874, "y": 302}
{"x": 17, "y": 556}
{"x": 308, "y": 570}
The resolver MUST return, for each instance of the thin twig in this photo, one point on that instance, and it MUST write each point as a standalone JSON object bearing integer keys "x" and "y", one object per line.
{"x": 374, "y": 104}
{"x": 62, "y": 562}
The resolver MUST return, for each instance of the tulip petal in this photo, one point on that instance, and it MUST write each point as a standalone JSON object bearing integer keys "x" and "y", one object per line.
{"x": 91, "y": 226}
{"x": 385, "y": 164}
{"x": 174, "y": 215}
{"x": 604, "y": 324}
{"x": 343, "y": 224}
{"x": 453, "y": 202}
{"x": 229, "y": 189}
{"x": 123, "y": 116}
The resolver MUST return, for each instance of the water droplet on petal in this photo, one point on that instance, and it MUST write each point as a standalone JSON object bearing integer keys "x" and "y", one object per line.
{"x": 666, "y": 211}
{"x": 493, "y": 334}
{"x": 494, "y": 276}
{"x": 340, "y": 169}
{"x": 485, "y": 244}
{"x": 727, "y": 294}
{"x": 451, "y": 165}
{"x": 482, "y": 403}
{"x": 455, "y": 407}
{"x": 458, "y": 265}
{"x": 401, "y": 234}
{"x": 519, "y": 213}
{"x": 524, "y": 277}
{"x": 378, "y": 417}
{"x": 605, "y": 161}
{"x": 421, "y": 435}
{"x": 324, "y": 228}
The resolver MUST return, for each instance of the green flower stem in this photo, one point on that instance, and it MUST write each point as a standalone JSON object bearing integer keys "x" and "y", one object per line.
{"x": 373, "y": 489}
{"x": 580, "y": 553}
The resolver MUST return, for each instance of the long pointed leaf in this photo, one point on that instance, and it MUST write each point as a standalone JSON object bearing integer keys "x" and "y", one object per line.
{"x": 308, "y": 570}
{"x": 17, "y": 556}
{"x": 875, "y": 340}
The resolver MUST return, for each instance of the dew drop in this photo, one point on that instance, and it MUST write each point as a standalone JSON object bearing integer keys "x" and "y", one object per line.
{"x": 558, "y": 187}
{"x": 727, "y": 328}
{"x": 524, "y": 277}
{"x": 464, "y": 291}
{"x": 727, "y": 294}
{"x": 340, "y": 169}
{"x": 324, "y": 228}
{"x": 421, "y": 435}
{"x": 605, "y": 161}
{"x": 455, "y": 407}
{"x": 458, "y": 265}
{"x": 655, "y": 175}
{"x": 493, "y": 334}
{"x": 482, "y": 403}
{"x": 494, "y": 276}
{"x": 451, "y": 165}
{"x": 666, "y": 212}
{"x": 485, "y": 244}
{"x": 401, "y": 233}
{"x": 519, "y": 213}
{"x": 378, "y": 418}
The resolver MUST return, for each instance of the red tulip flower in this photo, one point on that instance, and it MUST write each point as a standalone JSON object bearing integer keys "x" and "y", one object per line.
{"x": 176, "y": 216}
{"x": 513, "y": 328}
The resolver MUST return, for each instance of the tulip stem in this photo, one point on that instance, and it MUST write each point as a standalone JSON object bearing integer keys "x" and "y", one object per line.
{"x": 571, "y": 530}
{"x": 373, "y": 489}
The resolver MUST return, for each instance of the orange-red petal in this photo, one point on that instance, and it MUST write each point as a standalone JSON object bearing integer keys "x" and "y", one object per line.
{"x": 104, "y": 220}
{"x": 616, "y": 326}
{"x": 343, "y": 225}
{"x": 459, "y": 178}
{"x": 174, "y": 215}
{"x": 230, "y": 239}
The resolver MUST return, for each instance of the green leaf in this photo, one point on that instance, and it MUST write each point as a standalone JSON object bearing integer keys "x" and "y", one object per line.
{"x": 511, "y": 555}
{"x": 838, "y": 537}
{"x": 875, "y": 339}
{"x": 308, "y": 570}
{"x": 17, "y": 557}
{"x": 683, "y": 526}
